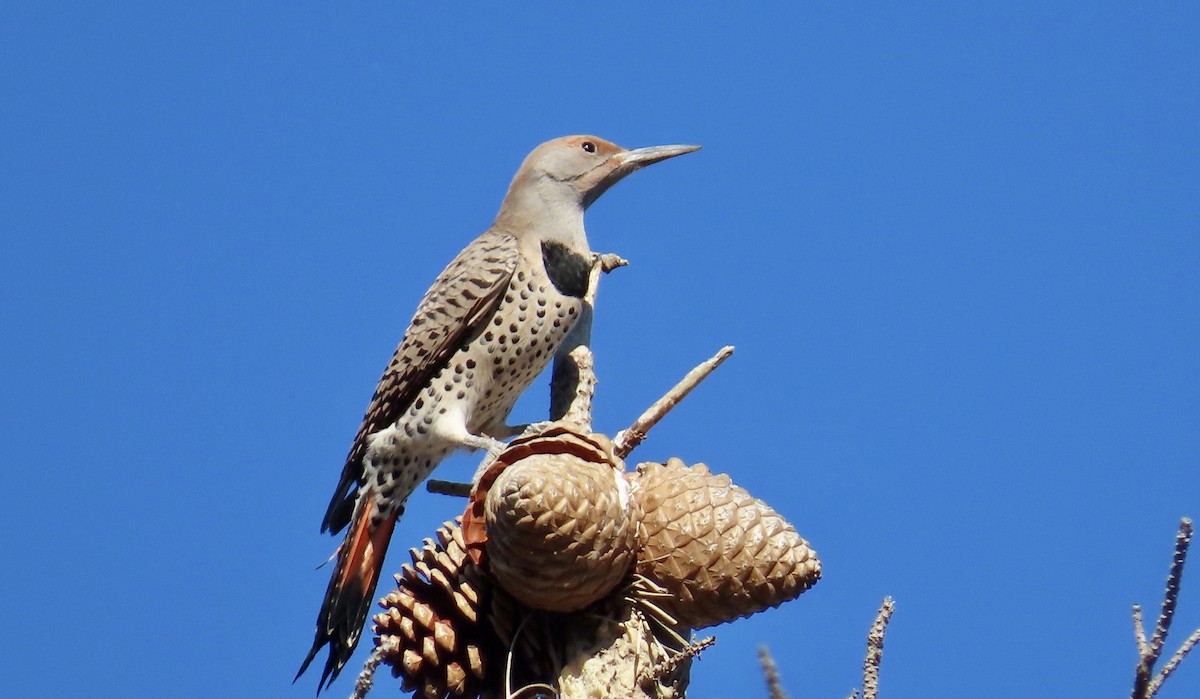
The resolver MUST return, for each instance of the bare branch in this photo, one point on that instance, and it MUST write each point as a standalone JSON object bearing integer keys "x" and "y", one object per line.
{"x": 628, "y": 440}
{"x": 666, "y": 667}
{"x": 366, "y": 678}
{"x": 771, "y": 672}
{"x": 1171, "y": 596}
{"x": 580, "y": 410}
{"x": 1141, "y": 675}
{"x": 1173, "y": 663}
{"x": 1145, "y": 684}
{"x": 565, "y": 374}
{"x": 875, "y": 649}
{"x": 1139, "y": 631}
{"x": 454, "y": 488}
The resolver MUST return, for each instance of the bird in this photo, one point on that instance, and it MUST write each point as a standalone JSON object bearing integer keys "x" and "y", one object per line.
{"x": 485, "y": 329}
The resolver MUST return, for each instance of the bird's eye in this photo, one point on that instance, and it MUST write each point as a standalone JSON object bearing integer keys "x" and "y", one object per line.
{"x": 588, "y": 146}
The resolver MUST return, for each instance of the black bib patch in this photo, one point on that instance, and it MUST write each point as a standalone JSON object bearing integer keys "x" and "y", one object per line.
{"x": 569, "y": 271}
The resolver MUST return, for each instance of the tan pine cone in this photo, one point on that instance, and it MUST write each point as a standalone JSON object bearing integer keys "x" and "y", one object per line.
{"x": 721, "y": 553}
{"x": 553, "y": 514}
{"x": 432, "y": 629}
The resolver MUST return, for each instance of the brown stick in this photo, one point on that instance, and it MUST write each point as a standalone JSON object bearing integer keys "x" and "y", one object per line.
{"x": 580, "y": 410}
{"x": 875, "y": 649}
{"x": 628, "y": 440}
{"x": 1145, "y": 683}
{"x": 771, "y": 672}
{"x": 366, "y": 678}
{"x": 1173, "y": 663}
{"x": 671, "y": 663}
{"x": 1171, "y": 596}
{"x": 454, "y": 488}
{"x": 565, "y": 374}
{"x": 1139, "y": 631}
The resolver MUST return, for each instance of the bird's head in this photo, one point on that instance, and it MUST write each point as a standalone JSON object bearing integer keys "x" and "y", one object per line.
{"x": 573, "y": 171}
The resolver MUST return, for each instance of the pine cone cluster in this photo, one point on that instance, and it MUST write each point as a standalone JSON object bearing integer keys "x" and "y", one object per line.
{"x": 555, "y": 524}
{"x": 561, "y": 522}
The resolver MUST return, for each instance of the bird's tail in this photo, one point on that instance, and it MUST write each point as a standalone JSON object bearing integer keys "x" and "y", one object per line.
{"x": 352, "y": 588}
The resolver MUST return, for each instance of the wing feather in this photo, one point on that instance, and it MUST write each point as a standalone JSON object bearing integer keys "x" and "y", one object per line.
{"x": 455, "y": 309}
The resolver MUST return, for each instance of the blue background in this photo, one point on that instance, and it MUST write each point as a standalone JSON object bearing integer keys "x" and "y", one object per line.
{"x": 957, "y": 246}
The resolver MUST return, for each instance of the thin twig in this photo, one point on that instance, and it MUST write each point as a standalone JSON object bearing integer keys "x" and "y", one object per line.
{"x": 641, "y": 594}
{"x": 1173, "y": 663}
{"x": 666, "y": 667}
{"x": 366, "y": 678}
{"x": 565, "y": 373}
{"x": 454, "y": 488}
{"x": 771, "y": 672}
{"x": 628, "y": 440}
{"x": 1171, "y": 596}
{"x": 580, "y": 411}
{"x": 1139, "y": 631}
{"x": 875, "y": 649}
{"x": 1141, "y": 675}
{"x": 1145, "y": 683}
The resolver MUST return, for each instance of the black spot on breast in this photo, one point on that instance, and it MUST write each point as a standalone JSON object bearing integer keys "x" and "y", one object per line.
{"x": 568, "y": 270}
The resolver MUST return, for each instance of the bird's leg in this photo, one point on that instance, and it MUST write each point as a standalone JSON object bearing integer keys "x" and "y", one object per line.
{"x": 491, "y": 445}
{"x": 492, "y": 448}
{"x": 452, "y": 428}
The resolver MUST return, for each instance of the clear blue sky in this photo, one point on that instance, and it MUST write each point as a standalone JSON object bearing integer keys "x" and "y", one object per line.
{"x": 957, "y": 246}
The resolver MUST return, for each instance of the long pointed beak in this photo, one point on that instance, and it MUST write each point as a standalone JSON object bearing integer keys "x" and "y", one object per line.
{"x": 631, "y": 160}
{"x": 625, "y": 162}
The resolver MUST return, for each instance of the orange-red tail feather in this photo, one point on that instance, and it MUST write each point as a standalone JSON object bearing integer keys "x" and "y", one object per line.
{"x": 351, "y": 588}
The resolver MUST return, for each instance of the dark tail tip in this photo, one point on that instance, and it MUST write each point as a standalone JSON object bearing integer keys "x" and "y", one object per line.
{"x": 308, "y": 661}
{"x": 349, "y": 595}
{"x": 339, "y": 655}
{"x": 339, "y": 626}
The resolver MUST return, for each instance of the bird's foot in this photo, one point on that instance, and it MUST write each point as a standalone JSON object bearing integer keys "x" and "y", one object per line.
{"x": 492, "y": 446}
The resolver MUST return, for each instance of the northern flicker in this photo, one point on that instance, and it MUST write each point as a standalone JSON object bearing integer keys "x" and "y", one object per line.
{"x": 487, "y": 327}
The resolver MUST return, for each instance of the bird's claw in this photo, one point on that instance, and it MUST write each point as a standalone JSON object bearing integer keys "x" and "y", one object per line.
{"x": 491, "y": 445}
